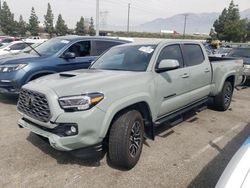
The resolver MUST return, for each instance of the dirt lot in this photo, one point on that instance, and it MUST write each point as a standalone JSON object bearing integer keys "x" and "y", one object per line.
{"x": 191, "y": 154}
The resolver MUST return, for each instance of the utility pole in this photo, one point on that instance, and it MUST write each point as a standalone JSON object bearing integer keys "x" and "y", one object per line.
{"x": 128, "y": 17}
{"x": 97, "y": 18}
{"x": 185, "y": 25}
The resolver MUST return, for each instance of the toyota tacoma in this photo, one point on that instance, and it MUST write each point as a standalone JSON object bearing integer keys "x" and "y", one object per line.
{"x": 124, "y": 95}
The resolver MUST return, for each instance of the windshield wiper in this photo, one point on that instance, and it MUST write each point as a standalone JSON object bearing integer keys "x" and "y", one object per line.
{"x": 32, "y": 48}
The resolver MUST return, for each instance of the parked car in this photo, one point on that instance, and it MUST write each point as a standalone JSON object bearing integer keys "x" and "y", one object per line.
{"x": 6, "y": 40}
{"x": 237, "y": 172}
{"x": 244, "y": 53}
{"x": 55, "y": 55}
{"x": 126, "y": 93}
{"x": 222, "y": 52}
{"x": 16, "y": 46}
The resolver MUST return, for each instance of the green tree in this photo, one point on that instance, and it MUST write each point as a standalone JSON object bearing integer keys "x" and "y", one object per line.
{"x": 80, "y": 27}
{"x": 22, "y": 26}
{"x": 61, "y": 27}
{"x": 233, "y": 24}
{"x": 49, "y": 21}
{"x": 219, "y": 24}
{"x": 248, "y": 30}
{"x": 91, "y": 27}
{"x": 229, "y": 26}
{"x": 6, "y": 19}
{"x": 33, "y": 23}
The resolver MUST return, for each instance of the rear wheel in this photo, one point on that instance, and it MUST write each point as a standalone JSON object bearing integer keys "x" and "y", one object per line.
{"x": 223, "y": 100}
{"x": 126, "y": 139}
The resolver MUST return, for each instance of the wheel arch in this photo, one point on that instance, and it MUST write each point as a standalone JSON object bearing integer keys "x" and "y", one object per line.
{"x": 142, "y": 107}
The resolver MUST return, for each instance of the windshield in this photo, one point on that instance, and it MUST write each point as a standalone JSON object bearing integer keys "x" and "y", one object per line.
{"x": 29, "y": 49}
{"x": 126, "y": 58}
{"x": 4, "y": 46}
{"x": 51, "y": 47}
{"x": 240, "y": 52}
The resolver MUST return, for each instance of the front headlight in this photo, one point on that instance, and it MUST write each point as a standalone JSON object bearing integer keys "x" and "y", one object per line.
{"x": 80, "y": 103}
{"x": 10, "y": 68}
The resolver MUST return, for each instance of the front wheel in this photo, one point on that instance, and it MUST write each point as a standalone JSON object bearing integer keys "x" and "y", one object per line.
{"x": 126, "y": 139}
{"x": 223, "y": 100}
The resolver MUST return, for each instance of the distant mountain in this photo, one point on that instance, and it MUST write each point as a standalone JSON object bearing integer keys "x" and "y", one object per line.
{"x": 245, "y": 13}
{"x": 196, "y": 23}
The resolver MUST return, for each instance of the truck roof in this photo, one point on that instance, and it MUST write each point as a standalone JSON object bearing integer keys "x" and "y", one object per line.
{"x": 77, "y": 37}
{"x": 163, "y": 42}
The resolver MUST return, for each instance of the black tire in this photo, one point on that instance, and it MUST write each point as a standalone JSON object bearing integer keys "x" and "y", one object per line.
{"x": 223, "y": 100}
{"x": 126, "y": 139}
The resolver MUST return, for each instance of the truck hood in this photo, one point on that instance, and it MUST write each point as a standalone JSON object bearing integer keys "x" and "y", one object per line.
{"x": 18, "y": 58}
{"x": 88, "y": 81}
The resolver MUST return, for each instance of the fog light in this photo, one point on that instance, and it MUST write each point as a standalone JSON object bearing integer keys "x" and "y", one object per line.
{"x": 66, "y": 129}
{"x": 73, "y": 129}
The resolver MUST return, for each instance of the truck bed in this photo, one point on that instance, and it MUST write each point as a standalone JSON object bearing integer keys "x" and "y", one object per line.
{"x": 213, "y": 59}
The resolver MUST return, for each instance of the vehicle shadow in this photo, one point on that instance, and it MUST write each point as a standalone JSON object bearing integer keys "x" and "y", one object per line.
{"x": 61, "y": 156}
{"x": 210, "y": 174}
{"x": 9, "y": 99}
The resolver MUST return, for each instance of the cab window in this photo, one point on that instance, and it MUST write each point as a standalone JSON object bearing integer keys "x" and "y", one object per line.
{"x": 193, "y": 54}
{"x": 171, "y": 52}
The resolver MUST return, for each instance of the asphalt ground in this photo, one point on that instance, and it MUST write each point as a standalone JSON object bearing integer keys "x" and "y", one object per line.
{"x": 192, "y": 153}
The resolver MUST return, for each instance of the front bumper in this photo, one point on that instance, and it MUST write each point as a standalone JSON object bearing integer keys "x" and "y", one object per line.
{"x": 8, "y": 86}
{"x": 10, "y": 81}
{"x": 89, "y": 126}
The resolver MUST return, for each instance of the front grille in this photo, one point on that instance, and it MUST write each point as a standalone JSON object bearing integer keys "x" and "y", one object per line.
{"x": 34, "y": 104}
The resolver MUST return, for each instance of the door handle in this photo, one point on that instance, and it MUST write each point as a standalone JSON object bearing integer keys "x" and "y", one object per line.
{"x": 206, "y": 70}
{"x": 186, "y": 75}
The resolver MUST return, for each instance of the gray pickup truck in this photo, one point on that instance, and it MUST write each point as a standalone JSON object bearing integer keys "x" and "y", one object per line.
{"x": 120, "y": 99}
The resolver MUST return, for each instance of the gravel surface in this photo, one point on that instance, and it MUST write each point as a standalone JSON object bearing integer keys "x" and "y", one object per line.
{"x": 193, "y": 153}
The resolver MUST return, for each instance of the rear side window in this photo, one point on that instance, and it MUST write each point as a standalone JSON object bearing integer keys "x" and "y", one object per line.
{"x": 171, "y": 52}
{"x": 98, "y": 47}
{"x": 193, "y": 54}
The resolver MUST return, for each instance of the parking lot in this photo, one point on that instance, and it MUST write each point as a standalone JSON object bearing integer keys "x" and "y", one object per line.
{"x": 193, "y": 153}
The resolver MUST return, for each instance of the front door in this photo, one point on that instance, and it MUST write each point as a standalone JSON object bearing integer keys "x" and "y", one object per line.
{"x": 171, "y": 86}
{"x": 82, "y": 58}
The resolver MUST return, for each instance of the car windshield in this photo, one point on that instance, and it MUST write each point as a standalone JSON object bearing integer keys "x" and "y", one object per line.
{"x": 51, "y": 47}
{"x": 240, "y": 52}
{"x": 126, "y": 58}
{"x": 4, "y": 46}
{"x": 28, "y": 49}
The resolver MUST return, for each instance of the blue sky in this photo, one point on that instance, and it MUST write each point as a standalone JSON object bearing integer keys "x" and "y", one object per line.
{"x": 141, "y": 10}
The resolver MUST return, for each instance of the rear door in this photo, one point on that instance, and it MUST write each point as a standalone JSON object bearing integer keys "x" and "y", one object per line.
{"x": 200, "y": 71}
{"x": 171, "y": 86}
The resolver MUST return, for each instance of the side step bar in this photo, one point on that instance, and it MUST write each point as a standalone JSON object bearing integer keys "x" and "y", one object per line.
{"x": 180, "y": 112}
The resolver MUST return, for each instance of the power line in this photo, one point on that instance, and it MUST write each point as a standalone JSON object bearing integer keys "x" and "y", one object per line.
{"x": 139, "y": 8}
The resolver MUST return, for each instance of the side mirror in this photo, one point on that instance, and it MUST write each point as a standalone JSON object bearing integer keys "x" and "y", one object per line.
{"x": 69, "y": 55}
{"x": 167, "y": 64}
